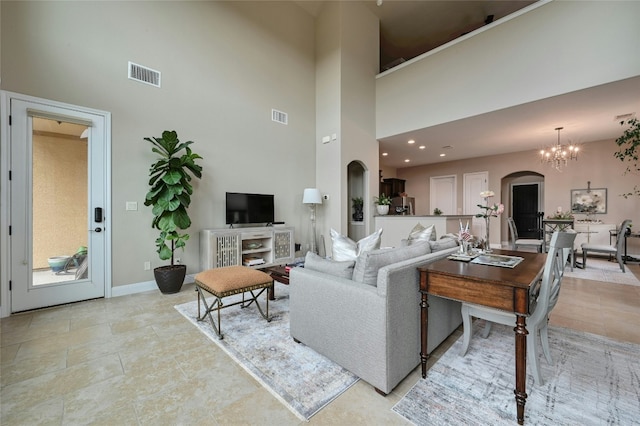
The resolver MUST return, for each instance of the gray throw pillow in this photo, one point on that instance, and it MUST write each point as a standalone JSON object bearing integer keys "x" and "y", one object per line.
{"x": 421, "y": 234}
{"x": 368, "y": 263}
{"x": 343, "y": 269}
{"x": 344, "y": 248}
{"x": 443, "y": 244}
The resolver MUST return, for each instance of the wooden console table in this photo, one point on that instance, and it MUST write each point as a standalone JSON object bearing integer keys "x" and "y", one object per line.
{"x": 502, "y": 288}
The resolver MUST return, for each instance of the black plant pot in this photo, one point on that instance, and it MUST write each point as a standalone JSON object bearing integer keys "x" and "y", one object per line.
{"x": 170, "y": 278}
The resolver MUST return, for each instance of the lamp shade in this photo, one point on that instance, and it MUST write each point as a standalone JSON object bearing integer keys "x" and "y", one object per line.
{"x": 312, "y": 196}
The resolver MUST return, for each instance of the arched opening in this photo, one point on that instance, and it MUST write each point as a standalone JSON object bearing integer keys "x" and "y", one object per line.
{"x": 523, "y": 198}
{"x": 357, "y": 212}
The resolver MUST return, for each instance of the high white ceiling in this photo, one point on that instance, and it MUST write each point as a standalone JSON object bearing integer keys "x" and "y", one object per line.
{"x": 410, "y": 28}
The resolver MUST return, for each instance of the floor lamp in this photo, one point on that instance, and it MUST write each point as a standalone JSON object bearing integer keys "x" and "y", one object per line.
{"x": 312, "y": 197}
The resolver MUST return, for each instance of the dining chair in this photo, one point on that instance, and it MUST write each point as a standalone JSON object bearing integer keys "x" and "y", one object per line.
{"x": 616, "y": 249}
{"x": 522, "y": 242}
{"x": 544, "y": 296}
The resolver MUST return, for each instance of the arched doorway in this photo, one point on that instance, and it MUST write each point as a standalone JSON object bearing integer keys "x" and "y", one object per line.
{"x": 525, "y": 202}
{"x": 356, "y": 190}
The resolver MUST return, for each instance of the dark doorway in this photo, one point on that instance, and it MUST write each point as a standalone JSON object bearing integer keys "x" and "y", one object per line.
{"x": 525, "y": 210}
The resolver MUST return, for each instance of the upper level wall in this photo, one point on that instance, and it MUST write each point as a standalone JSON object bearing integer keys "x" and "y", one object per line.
{"x": 550, "y": 49}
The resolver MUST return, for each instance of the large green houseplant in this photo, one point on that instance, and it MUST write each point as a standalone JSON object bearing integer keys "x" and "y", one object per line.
{"x": 170, "y": 195}
{"x": 629, "y": 151}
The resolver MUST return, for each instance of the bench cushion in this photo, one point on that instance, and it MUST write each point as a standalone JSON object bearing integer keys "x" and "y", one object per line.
{"x": 232, "y": 280}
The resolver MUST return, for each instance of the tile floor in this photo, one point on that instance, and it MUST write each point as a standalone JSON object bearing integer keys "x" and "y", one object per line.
{"x": 133, "y": 360}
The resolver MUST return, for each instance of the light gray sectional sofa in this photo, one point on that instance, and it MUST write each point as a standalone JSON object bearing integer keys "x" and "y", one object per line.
{"x": 365, "y": 315}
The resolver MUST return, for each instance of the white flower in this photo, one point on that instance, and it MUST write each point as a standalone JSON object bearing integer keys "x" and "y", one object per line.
{"x": 487, "y": 194}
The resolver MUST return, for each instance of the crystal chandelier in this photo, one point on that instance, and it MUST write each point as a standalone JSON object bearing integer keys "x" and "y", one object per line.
{"x": 558, "y": 155}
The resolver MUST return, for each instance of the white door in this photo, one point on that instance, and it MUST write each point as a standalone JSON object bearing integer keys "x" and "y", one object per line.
{"x": 442, "y": 190}
{"x": 58, "y": 203}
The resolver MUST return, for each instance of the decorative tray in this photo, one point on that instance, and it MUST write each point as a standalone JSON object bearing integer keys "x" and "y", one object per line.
{"x": 253, "y": 246}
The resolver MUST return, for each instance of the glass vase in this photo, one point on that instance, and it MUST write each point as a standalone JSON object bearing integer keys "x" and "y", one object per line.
{"x": 487, "y": 241}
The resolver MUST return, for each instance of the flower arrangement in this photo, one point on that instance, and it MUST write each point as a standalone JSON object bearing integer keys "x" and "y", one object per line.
{"x": 494, "y": 210}
{"x": 489, "y": 211}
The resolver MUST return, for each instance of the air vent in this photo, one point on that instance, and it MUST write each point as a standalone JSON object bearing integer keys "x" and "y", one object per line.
{"x": 279, "y": 116}
{"x": 144, "y": 74}
{"x": 623, "y": 117}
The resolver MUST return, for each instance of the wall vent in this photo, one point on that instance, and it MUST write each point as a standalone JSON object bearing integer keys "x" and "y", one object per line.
{"x": 279, "y": 116}
{"x": 144, "y": 74}
{"x": 623, "y": 117}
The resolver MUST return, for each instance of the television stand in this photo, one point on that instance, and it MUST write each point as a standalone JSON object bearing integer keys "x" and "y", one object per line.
{"x": 256, "y": 247}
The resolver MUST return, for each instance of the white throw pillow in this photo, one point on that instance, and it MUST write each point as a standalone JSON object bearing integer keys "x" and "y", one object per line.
{"x": 420, "y": 234}
{"x": 344, "y": 248}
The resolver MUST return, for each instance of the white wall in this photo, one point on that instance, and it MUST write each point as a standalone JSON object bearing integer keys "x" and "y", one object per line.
{"x": 347, "y": 62}
{"x": 224, "y": 66}
{"x": 555, "y": 48}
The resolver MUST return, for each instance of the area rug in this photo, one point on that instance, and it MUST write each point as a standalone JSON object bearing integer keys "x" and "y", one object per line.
{"x": 594, "y": 381}
{"x": 299, "y": 377}
{"x": 604, "y": 271}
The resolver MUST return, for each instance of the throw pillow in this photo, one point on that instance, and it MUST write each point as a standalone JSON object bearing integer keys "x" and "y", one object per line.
{"x": 339, "y": 269}
{"x": 443, "y": 243}
{"x": 369, "y": 263}
{"x": 344, "y": 248}
{"x": 421, "y": 234}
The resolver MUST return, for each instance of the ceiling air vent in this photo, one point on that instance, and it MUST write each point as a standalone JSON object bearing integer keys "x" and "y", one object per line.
{"x": 144, "y": 74}
{"x": 279, "y": 116}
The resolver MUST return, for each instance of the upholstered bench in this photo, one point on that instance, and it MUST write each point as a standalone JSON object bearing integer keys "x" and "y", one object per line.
{"x": 227, "y": 281}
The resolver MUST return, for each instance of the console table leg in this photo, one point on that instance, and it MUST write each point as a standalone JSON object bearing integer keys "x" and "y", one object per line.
{"x": 521, "y": 366}
{"x": 424, "y": 323}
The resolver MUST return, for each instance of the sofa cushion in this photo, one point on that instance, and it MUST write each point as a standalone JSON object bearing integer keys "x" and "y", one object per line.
{"x": 421, "y": 234}
{"x": 368, "y": 263}
{"x": 344, "y": 248}
{"x": 443, "y": 243}
{"x": 342, "y": 269}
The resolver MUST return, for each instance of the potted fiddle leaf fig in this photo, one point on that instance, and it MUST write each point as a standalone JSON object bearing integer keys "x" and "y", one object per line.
{"x": 170, "y": 195}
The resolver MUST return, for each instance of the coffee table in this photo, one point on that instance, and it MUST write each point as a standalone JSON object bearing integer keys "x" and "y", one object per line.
{"x": 280, "y": 274}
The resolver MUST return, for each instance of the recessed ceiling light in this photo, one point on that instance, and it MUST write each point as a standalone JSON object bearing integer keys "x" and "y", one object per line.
{"x": 384, "y": 154}
{"x": 411, "y": 141}
{"x": 407, "y": 160}
{"x": 422, "y": 147}
{"x": 443, "y": 155}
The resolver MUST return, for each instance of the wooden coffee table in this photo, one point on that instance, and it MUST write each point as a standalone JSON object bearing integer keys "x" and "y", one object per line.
{"x": 280, "y": 274}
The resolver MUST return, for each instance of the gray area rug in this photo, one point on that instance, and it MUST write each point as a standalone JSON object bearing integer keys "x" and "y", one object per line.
{"x": 299, "y": 377}
{"x": 604, "y": 271}
{"x": 594, "y": 381}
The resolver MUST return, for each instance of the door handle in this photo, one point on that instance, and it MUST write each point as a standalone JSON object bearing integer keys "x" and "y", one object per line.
{"x": 98, "y": 229}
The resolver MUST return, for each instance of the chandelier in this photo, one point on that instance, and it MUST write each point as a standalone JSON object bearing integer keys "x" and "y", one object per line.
{"x": 558, "y": 155}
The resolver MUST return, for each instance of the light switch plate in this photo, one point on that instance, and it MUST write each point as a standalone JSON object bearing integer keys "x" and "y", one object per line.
{"x": 131, "y": 206}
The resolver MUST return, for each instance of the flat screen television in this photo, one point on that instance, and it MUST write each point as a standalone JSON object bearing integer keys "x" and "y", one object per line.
{"x": 244, "y": 208}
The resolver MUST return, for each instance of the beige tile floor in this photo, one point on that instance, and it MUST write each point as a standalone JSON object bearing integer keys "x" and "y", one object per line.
{"x": 133, "y": 360}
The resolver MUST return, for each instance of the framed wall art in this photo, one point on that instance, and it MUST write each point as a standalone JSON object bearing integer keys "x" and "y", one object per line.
{"x": 589, "y": 201}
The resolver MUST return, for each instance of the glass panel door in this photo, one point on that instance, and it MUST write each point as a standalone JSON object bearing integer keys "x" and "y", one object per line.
{"x": 60, "y": 201}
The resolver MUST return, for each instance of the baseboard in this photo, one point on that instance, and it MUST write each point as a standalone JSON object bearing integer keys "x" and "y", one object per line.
{"x": 124, "y": 290}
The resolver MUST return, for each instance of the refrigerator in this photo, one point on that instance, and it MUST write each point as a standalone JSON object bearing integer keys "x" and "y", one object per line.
{"x": 402, "y": 206}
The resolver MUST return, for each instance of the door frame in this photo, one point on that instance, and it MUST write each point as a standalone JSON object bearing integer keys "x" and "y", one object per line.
{"x": 5, "y": 198}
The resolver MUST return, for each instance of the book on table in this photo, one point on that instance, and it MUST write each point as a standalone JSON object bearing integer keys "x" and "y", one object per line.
{"x": 253, "y": 260}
